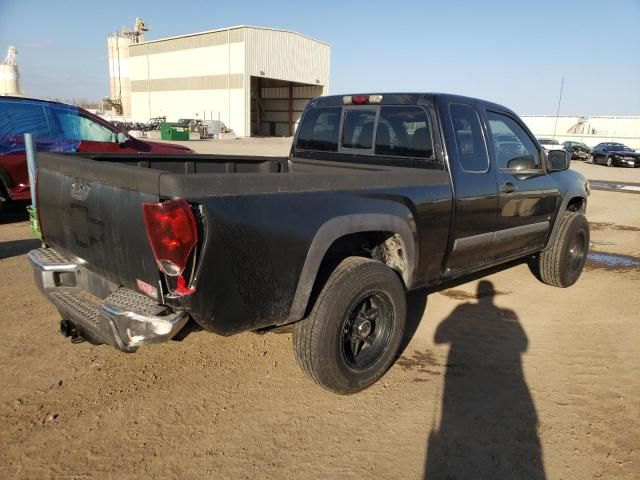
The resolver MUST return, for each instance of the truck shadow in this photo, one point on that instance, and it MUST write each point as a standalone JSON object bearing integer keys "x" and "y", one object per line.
{"x": 13, "y": 248}
{"x": 417, "y": 299}
{"x": 14, "y": 213}
{"x": 488, "y": 422}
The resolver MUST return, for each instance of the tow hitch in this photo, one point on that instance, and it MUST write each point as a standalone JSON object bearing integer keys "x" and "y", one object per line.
{"x": 69, "y": 330}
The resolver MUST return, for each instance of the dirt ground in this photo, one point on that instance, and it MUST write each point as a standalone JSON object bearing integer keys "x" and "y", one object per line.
{"x": 504, "y": 377}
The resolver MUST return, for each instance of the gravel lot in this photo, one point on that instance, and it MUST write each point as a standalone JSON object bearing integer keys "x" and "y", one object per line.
{"x": 511, "y": 375}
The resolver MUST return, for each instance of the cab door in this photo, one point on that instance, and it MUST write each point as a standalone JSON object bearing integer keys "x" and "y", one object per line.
{"x": 475, "y": 191}
{"x": 528, "y": 197}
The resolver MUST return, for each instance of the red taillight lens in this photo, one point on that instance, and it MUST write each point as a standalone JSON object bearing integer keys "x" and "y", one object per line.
{"x": 172, "y": 231}
{"x": 359, "y": 100}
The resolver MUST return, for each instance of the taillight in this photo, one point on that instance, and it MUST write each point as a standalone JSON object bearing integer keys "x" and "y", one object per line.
{"x": 172, "y": 231}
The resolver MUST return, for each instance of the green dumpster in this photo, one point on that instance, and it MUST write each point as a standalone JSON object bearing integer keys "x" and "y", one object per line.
{"x": 173, "y": 131}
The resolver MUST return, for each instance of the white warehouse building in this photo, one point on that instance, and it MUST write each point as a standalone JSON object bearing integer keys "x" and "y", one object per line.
{"x": 590, "y": 130}
{"x": 255, "y": 80}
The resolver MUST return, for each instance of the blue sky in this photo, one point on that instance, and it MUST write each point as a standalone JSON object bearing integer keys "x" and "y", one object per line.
{"x": 512, "y": 52}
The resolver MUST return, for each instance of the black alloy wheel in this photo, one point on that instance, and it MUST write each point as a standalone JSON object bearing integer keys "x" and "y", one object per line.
{"x": 355, "y": 328}
{"x": 577, "y": 253}
{"x": 367, "y": 330}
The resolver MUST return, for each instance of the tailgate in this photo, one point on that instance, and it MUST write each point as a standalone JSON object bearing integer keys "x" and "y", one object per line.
{"x": 92, "y": 210}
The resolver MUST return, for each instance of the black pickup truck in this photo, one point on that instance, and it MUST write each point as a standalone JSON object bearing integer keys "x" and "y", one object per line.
{"x": 381, "y": 194}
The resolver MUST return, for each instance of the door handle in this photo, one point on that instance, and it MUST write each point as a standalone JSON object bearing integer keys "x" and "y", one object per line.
{"x": 508, "y": 187}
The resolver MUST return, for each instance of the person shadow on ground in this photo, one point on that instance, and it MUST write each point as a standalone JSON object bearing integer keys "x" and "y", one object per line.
{"x": 488, "y": 424}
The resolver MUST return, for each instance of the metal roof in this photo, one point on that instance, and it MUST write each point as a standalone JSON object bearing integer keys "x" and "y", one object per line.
{"x": 235, "y": 27}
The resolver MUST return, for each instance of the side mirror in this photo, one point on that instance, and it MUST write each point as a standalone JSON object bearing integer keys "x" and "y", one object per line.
{"x": 558, "y": 160}
{"x": 521, "y": 163}
{"x": 121, "y": 138}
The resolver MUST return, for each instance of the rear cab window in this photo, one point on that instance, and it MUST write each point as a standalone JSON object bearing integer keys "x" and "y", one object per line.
{"x": 404, "y": 132}
{"x": 358, "y": 129}
{"x": 470, "y": 144}
{"x": 371, "y": 133}
{"x": 320, "y": 129}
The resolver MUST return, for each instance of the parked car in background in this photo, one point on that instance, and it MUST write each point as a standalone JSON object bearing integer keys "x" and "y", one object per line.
{"x": 57, "y": 127}
{"x": 578, "y": 150}
{"x": 614, "y": 155}
{"x": 549, "y": 144}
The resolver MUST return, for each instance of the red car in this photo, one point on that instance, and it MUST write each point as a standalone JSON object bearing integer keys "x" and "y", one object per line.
{"x": 57, "y": 127}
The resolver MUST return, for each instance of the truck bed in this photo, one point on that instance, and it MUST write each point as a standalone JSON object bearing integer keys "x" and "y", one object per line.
{"x": 256, "y": 229}
{"x": 198, "y": 164}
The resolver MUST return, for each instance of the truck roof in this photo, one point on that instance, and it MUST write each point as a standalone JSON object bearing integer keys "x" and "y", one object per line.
{"x": 406, "y": 98}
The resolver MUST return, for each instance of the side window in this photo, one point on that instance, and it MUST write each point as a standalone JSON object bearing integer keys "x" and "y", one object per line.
{"x": 469, "y": 140}
{"x": 358, "y": 129}
{"x": 511, "y": 143}
{"x": 404, "y": 132}
{"x": 319, "y": 129}
{"x": 18, "y": 118}
{"x": 76, "y": 127}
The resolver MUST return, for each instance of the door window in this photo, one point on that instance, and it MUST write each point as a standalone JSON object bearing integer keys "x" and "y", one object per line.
{"x": 319, "y": 129}
{"x": 403, "y": 132}
{"x": 358, "y": 129}
{"x": 79, "y": 128}
{"x": 470, "y": 144}
{"x": 18, "y": 118}
{"x": 511, "y": 143}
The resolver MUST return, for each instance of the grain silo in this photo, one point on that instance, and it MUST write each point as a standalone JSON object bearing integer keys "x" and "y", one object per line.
{"x": 9, "y": 75}
{"x": 119, "y": 80}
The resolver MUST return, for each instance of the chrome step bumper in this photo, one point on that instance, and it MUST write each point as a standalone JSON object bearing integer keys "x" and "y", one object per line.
{"x": 124, "y": 319}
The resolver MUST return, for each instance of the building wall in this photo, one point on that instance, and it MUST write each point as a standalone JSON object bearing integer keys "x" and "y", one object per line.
{"x": 287, "y": 56}
{"x": 290, "y": 57}
{"x": 275, "y": 101}
{"x": 209, "y": 74}
{"x": 198, "y": 76}
{"x": 589, "y": 130}
{"x": 201, "y": 104}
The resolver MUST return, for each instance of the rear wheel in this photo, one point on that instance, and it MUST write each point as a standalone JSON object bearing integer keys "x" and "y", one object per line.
{"x": 562, "y": 263}
{"x": 354, "y": 331}
{"x": 609, "y": 162}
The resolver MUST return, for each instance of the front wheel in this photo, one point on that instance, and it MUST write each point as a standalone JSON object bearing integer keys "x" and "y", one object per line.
{"x": 609, "y": 162}
{"x": 354, "y": 332}
{"x": 562, "y": 263}
{"x": 590, "y": 159}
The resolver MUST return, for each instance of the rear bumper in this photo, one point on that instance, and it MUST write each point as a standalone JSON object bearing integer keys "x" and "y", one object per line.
{"x": 124, "y": 319}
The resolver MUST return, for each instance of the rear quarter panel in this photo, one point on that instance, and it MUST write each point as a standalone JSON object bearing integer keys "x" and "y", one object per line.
{"x": 258, "y": 242}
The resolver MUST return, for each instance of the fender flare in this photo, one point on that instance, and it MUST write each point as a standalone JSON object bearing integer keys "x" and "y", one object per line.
{"x": 338, "y": 227}
{"x": 575, "y": 193}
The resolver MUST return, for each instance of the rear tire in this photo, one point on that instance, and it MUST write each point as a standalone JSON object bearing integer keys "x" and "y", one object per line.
{"x": 609, "y": 162}
{"x": 354, "y": 331}
{"x": 562, "y": 263}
